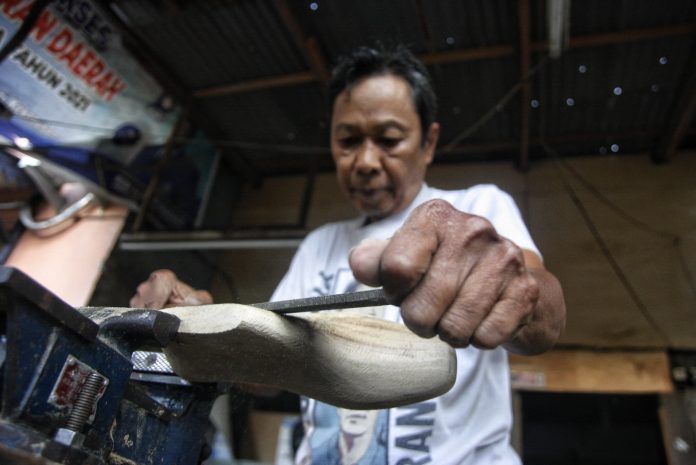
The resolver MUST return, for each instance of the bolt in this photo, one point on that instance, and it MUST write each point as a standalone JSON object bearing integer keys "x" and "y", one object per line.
{"x": 68, "y": 437}
{"x": 84, "y": 404}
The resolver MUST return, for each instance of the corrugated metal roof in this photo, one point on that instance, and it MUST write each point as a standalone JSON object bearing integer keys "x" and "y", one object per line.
{"x": 473, "y": 23}
{"x": 217, "y": 42}
{"x": 624, "y": 88}
{"x": 468, "y": 90}
{"x": 343, "y": 25}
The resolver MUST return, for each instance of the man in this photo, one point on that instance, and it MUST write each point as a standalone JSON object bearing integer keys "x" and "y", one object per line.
{"x": 459, "y": 264}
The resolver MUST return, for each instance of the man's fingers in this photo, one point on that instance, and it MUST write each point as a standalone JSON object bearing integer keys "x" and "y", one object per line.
{"x": 454, "y": 304}
{"x": 439, "y": 248}
{"x": 501, "y": 316}
{"x": 435, "y": 294}
{"x": 364, "y": 260}
{"x": 194, "y": 297}
{"x": 408, "y": 257}
{"x": 505, "y": 319}
{"x": 156, "y": 291}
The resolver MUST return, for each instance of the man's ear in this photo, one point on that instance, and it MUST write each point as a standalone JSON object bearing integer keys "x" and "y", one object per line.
{"x": 431, "y": 139}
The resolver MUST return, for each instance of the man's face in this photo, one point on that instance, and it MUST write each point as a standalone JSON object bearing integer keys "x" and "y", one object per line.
{"x": 357, "y": 422}
{"x": 376, "y": 143}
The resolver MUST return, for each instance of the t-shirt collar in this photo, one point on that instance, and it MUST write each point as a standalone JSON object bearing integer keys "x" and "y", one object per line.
{"x": 422, "y": 196}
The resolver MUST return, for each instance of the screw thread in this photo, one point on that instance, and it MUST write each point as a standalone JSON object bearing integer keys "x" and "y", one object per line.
{"x": 82, "y": 409}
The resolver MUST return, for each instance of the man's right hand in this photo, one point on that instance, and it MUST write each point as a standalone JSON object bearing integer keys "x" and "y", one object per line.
{"x": 163, "y": 289}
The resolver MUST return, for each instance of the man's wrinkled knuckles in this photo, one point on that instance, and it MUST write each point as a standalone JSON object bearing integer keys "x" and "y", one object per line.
{"x": 533, "y": 292}
{"x": 418, "y": 325}
{"x": 399, "y": 272}
{"x": 457, "y": 342}
{"x": 519, "y": 302}
{"x": 479, "y": 226}
{"x": 487, "y": 341}
{"x": 459, "y": 323}
{"x": 368, "y": 250}
{"x": 493, "y": 333}
{"x": 435, "y": 209}
{"x": 526, "y": 291}
{"x": 441, "y": 213}
{"x": 511, "y": 254}
{"x": 420, "y": 315}
{"x": 365, "y": 268}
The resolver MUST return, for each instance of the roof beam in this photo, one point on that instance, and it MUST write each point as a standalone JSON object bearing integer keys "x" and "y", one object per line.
{"x": 257, "y": 84}
{"x": 674, "y": 136}
{"x": 483, "y": 147}
{"x": 422, "y": 21}
{"x": 680, "y": 115}
{"x": 526, "y": 89}
{"x": 307, "y": 45}
{"x": 470, "y": 54}
{"x": 633, "y": 35}
{"x": 621, "y": 37}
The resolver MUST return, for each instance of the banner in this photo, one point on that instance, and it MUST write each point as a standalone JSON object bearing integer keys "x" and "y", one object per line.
{"x": 72, "y": 81}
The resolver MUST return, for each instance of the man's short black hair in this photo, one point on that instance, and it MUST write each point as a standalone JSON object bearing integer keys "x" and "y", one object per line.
{"x": 363, "y": 62}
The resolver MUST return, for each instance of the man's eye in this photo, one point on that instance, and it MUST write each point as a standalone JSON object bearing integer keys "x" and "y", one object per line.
{"x": 389, "y": 141}
{"x": 349, "y": 141}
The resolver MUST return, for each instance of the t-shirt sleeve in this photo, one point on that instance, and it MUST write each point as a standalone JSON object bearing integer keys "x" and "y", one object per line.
{"x": 501, "y": 210}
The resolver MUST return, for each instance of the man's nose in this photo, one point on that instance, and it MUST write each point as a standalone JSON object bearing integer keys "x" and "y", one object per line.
{"x": 368, "y": 159}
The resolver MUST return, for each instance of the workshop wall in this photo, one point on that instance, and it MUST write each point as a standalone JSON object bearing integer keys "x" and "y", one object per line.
{"x": 624, "y": 250}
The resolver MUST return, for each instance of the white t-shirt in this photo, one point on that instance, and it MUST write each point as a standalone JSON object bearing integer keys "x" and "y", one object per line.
{"x": 471, "y": 423}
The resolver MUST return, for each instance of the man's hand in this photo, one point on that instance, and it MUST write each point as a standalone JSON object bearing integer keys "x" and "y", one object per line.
{"x": 163, "y": 289}
{"x": 454, "y": 276}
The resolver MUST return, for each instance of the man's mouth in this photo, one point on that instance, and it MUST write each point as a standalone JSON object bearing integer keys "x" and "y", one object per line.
{"x": 368, "y": 192}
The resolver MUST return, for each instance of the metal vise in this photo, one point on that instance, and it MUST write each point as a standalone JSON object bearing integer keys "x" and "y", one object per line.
{"x": 78, "y": 392}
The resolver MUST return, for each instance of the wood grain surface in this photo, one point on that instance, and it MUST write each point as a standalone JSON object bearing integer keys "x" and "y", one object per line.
{"x": 348, "y": 360}
{"x": 569, "y": 370}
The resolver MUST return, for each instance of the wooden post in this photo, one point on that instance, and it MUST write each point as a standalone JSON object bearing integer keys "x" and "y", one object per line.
{"x": 526, "y": 90}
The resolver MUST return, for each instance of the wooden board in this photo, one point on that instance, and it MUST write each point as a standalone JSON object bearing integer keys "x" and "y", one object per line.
{"x": 593, "y": 372}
